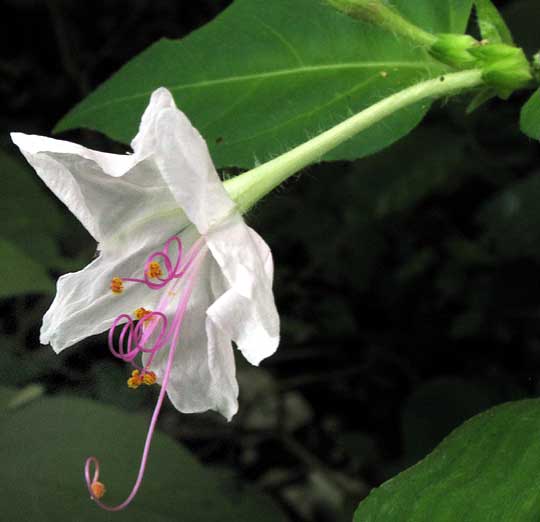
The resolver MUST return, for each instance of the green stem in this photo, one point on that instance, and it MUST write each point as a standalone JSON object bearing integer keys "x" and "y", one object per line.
{"x": 251, "y": 186}
{"x": 384, "y": 16}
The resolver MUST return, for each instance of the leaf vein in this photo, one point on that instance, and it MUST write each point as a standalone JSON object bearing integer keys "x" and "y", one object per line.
{"x": 283, "y": 40}
{"x": 262, "y": 76}
{"x": 307, "y": 114}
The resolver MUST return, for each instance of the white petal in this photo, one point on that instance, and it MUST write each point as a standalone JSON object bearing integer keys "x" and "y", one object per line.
{"x": 84, "y": 304}
{"x": 186, "y": 166}
{"x": 112, "y": 164}
{"x": 246, "y": 309}
{"x": 224, "y": 386}
{"x": 146, "y": 140}
{"x": 203, "y": 372}
{"x": 112, "y": 195}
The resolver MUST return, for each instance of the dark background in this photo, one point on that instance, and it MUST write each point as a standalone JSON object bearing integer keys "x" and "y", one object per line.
{"x": 407, "y": 283}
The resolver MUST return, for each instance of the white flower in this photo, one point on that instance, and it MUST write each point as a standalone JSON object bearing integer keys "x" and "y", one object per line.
{"x": 132, "y": 204}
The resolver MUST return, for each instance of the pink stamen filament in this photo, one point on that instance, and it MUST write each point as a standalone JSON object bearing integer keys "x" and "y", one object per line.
{"x": 171, "y": 272}
{"x": 137, "y": 337}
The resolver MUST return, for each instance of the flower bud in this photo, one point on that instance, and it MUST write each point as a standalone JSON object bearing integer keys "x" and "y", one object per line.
{"x": 489, "y": 53}
{"x": 504, "y": 67}
{"x": 454, "y": 50}
{"x": 507, "y": 75}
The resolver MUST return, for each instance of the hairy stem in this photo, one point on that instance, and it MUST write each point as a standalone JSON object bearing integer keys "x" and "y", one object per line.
{"x": 384, "y": 16}
{"x": 251, "y": 186}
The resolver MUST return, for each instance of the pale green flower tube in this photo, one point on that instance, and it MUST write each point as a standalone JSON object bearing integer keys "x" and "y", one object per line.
{"x": 251, "y": 186}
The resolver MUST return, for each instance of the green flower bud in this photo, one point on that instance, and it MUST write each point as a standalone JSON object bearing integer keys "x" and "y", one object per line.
{"x": 454, "y": 50}
{"x": 504, "y": 67}
{"x": 507, "y": 75}
{"x": 489, "y": 53}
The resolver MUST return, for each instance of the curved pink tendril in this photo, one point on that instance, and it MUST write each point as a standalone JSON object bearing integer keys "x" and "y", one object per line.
{"x": 136, "y": 338}
{"x": 137, "y": 335}
{"x": 172, "y": 270}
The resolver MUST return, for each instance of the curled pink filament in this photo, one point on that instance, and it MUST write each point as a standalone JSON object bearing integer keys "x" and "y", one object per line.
{"x": 134, "y": 336}
{"x": 163, "y": 257}
{"x": 149, "y": 335}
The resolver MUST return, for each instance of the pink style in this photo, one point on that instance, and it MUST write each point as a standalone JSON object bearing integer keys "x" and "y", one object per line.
{"x": 152, "y": 332}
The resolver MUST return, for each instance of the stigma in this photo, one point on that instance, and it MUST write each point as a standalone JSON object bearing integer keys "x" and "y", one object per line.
{"x": 98, "y": 489}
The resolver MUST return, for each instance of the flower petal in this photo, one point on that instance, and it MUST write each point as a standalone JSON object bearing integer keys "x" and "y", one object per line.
{"x": 146, "y": 140}
{"x": 84, "y": 304}
{"x": 203, "y": 372}
{"x": 184, "y": 162}
{"x": 246, "y": 309}
{"x": 223, "y": 385}
{"x": 112, "y": 195}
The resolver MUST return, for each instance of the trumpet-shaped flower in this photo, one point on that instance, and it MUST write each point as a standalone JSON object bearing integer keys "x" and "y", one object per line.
{"x": 179, "y": 275}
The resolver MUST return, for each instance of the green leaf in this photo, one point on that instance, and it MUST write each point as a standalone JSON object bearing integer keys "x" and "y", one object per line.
{"x": 398, "y": 189}
{"x": 29, "y": 214}
{"x": 20, "y": 273}
{"x": 25, "y": 395}
{"x": 480, "y": 98}
{"x": 488, "y": 469}
{"x": 6, "y": 396}
{"x": 43, "y": 447}
{"x": 491, "y": 23}
{"x": 530, "y": 116}
{"x": 21, "y": 366}
{"x": 441, "y": 16}
{"x": 266, "y": 75}
{"x": 440, "y": 405}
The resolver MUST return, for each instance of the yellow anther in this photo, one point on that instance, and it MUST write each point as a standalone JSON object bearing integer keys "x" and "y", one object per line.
{"x": 135, "y": 380}
{"x": 149, "y": 378}
{"x": 98, "y": 489}
{"x": 141, "y": 312}
{"x": 133, "y": 383}
{"x": 154, "y": 270}
{"x": 117, "y": 285}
